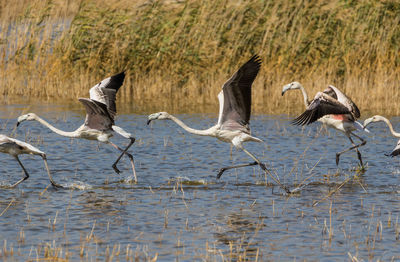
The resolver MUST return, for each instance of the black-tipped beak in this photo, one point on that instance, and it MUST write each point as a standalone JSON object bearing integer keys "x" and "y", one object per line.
{"x": 17, "y": 124}
{"x": 148, "y": 121}
{"x": 283, "y": 92}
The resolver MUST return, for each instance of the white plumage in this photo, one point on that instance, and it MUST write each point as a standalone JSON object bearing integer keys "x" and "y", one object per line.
{"x": 15, "y": 148}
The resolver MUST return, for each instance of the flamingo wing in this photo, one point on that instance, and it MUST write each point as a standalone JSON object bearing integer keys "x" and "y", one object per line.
{"x": 237, "y": 94}
{"x": 106, "y": 92}
{"x": 97, "y": 115}
{"x": 396, "y": 150}
{"x": 321, "y": 105}
{"x": 346, "y": 101}
{"x": 19, "y": 146}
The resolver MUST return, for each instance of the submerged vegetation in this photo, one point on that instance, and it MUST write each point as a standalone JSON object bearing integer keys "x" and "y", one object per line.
{"x": 178, "y": 53}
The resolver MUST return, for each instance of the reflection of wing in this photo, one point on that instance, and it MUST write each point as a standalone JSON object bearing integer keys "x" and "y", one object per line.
{"x": 321, "y": 105}
{"x": 237, "y": 93}
{"x": 342, "y": 98}
{"x": 105, "y": 92}
{"x": 97, "y": 116}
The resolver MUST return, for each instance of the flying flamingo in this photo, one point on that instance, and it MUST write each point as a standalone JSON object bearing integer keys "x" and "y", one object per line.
{"x": 333, "y": 108}
{"x": 16, "y": 147}
{"x": 234, "y": 114}
{"x": 378, "y": 118}
{"x": 100, "y": 113}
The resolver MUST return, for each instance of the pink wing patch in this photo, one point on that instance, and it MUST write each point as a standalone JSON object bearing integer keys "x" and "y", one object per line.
{"x": 341, "y": 118}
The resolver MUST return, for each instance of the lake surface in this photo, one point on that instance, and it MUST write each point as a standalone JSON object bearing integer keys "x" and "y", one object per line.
{"x": 178, "y": 210}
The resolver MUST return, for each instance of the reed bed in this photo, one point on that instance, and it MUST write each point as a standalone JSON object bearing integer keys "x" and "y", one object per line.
{"x": 179, "y": 53}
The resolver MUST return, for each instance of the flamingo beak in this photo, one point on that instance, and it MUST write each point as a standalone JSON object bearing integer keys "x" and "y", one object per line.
{"x": 285, "y": 88}
{"x": 148, "y": 122}
{"x": 366, "y": 123}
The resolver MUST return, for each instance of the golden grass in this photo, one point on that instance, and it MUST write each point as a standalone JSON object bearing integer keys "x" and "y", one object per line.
{"x": 178, "y": 54}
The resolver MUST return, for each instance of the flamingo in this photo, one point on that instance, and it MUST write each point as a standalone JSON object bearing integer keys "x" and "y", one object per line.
{"x": 234, "y": 114}
{"x": 333, "y": 108}
{"x": 378, "y": 118}
{"x": 100, "y": 113}
{"x": 16, "y": 147}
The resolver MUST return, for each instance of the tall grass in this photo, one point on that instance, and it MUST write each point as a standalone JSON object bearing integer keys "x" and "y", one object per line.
{"x": 178, "y": 54}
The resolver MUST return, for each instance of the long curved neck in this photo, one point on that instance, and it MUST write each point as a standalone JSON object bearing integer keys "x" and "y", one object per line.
{"x": 394, "y": 133}
{"x": 305, "y": 96}
{"x": 207, "y": 132}
{"x": 56, "y": 130}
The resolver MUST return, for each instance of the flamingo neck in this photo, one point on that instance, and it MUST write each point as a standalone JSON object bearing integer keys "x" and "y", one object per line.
{"x": 207, "y": 132}
{"x": 394, "y": 133}
{"x": 305, "y": 96}
{"x": 73, "y": 134}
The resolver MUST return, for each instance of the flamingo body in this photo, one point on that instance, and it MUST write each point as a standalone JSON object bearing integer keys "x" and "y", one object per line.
{"x": 332, "y": 108}
{"x": 233, "y": 125}
{"x": 15, "y": 147}
{"x": 100, "y": 114}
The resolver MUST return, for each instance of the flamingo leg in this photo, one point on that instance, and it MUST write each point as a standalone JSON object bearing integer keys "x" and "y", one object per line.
{"x": 25, "y": 172}
{"x": 120, "y": 156}
{"x": 54, "y": 184}
{"x": 363, "y": 142}
{"x": 222, "y": 170}
{"x": 264, "y": 168}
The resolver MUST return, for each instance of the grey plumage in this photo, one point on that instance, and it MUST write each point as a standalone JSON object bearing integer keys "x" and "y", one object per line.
{"x": 106, "y": 91}
{"x": 97, "y": 115}
{"x": 237, "y": 95}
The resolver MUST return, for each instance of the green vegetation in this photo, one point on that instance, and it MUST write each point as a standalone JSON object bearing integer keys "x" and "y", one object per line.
{"x": 178, "y": 54}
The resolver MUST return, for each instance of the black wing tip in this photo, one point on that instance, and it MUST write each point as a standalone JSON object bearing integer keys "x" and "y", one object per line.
{"x": 252, "y": 67}
{"x": 394, "y": 153}
{"x": 256, "y": 59}
{"x": 116, "y": 81}
{"x": 298, "y": 122}
{"x": 119, "y": 76}
{"x": 305, "y": 118}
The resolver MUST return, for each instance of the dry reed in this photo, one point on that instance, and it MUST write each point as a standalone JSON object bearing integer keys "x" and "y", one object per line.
{"x": 178, "y": 54}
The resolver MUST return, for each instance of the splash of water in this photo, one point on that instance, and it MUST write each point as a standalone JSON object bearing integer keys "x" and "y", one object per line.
{"x": 78, "y": 185}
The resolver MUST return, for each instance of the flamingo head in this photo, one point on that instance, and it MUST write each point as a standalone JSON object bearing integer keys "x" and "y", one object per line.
{"x": 158, "y": 116}
{"x": 371, "y": 120}
{"x": 26, "y": 117}
{"x": 291, "y": 86}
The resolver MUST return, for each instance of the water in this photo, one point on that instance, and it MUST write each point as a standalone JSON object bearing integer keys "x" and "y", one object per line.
{"x": 179, "y": 211}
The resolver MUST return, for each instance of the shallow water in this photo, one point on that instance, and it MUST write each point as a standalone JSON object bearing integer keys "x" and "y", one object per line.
{"x": 179, "y": 211}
